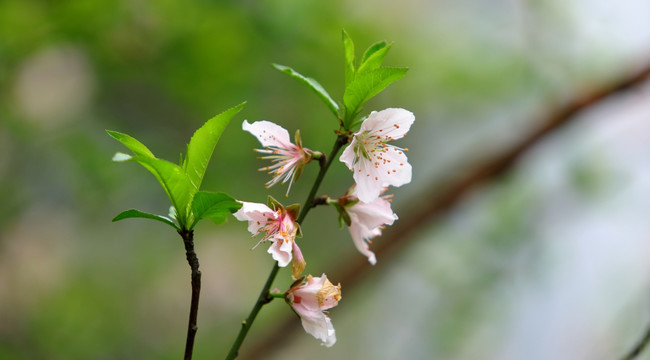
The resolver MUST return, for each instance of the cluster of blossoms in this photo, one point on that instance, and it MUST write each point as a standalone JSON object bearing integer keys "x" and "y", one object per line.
{"x": 375, "y": 164}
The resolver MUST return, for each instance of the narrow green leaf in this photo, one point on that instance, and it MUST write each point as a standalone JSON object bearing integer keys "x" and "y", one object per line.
{"x": 133, "y": 213}
{"x": 202, "y": 143}
{"x": 367, "y": 85}
{"x": 373, "y": 49}
{"x": 374, "y": 57}
{"x": 174, "y": 181}
{"x": 349, "y": 58}
{"x": 312, "y": 84}
{"x": 216, "y": 206}
{"x": 131, "y": 143}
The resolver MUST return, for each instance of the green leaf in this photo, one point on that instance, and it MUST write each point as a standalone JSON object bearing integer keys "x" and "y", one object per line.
{"x": 373, "y": 49}
{"x": 312, "y": 84}
{"x": 202, "y": 143}
{"x": 131, "y": 143}
{"x": 349, "y": 58}
{"x": 373, "y": 57}
{"x": 133, "y": 213}
{"x": 367, "y": 85}
{"x": 216, "y": 206}
{"x": 174, "y": 181}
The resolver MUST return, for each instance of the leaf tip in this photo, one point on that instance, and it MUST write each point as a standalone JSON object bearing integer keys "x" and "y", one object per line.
{"x": 113, "y": 134}
{"x": 280, "y": 67}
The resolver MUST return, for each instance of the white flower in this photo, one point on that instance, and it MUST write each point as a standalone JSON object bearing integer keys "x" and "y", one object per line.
{"x": 310, "y": 300}
{"x": 375, "y": 163}
{"x": 288, "y": 159}
{"x": 367, "y": 221}
{"x": 278, "y": 227}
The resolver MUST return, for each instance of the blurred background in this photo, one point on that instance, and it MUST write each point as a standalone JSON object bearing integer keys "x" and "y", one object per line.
{"x": 548, "y": 261}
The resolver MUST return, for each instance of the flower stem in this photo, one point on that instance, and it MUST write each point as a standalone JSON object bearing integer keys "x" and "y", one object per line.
{"x": 309, "y": 202}
{"x": 193, "y": 260}
{"x": 265, "y": 297}
{"x": 277, "y": 295}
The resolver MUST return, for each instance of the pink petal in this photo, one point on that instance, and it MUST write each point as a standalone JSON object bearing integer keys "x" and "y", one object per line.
{"x": 359, "y": 235}
{"x": 256, "y": 214}
{"x": 375, "y": 214}
{"x": 280, "y": 251}
{"x": 268, "y": 133}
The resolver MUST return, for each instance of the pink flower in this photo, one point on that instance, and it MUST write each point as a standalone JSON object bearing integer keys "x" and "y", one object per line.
{"x": 288, "y": 159}
{"x": 310, "y": 300}
{"x": 366, "y": 222}
{"x": 375, "y": 163}
{"x": 278, "y": 227}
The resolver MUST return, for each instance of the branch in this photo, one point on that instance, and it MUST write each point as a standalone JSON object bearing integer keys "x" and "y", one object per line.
{"x": 398, "y": 236}
{"x": 193, "y": 260}
{"x": 638, "y": 348}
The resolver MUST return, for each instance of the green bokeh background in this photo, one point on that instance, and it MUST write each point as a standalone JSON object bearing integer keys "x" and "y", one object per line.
{"x": 73, "y": 285}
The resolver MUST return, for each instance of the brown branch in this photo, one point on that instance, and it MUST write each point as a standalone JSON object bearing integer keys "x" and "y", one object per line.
{"x": 421, "y": 214}
{"x": 193, "y": 261}
{"x": 638, "y": 348}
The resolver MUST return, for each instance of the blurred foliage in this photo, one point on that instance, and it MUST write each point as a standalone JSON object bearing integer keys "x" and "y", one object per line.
{"x": 75, "y": 286}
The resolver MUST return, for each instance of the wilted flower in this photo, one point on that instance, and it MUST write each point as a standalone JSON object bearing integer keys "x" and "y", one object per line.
{"x": 310, "y": 300}
{"x": 288, "y": 159}
{"x": 366, "y": 222}
{"x": 375, "y": 163}
{"x": 279, "y": 226}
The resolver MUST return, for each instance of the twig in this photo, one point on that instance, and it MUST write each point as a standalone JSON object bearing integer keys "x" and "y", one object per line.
{"x": 422, "y": 213}
{"x": 262, "y": 300}
{"x": 193, "y": 260}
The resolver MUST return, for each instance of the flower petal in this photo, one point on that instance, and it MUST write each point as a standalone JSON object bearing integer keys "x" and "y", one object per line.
{"x": 359, "y": 235}
{"x": 256, "y": 214}
{"x": 375, "y": 214}
{"x": 348, "y": 154}
{"x": 298, "y": 263}
{"x": 280, "y": 251}
{"x": 268, "y": 133}
{"x": 391, "y": 167}
{"x": 397, "y": 171}
{"x": 320, "y": 327}
{"x": 369, "y": 180}
{"x": 391, "y": 123}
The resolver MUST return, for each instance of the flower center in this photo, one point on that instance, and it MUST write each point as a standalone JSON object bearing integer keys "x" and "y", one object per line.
{"x": 368, "y": 144}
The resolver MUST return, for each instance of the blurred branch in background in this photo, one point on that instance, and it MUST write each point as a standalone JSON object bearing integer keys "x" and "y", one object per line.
{"x": 639, "y": 347}
{"x": 424, "y": 212}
